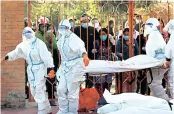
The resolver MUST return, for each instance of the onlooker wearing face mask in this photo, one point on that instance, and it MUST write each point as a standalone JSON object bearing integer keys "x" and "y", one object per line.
{"x": 96, "y": 24}
{"x": 122, "y": 48}
{"x": 139, "y": 22}
{"x": 125, "y": 40}
{"x": 52, "y": 29}
{"x": 103, "y": 51}
{"x": 85, "y": 19}
{"x": 86, "y": 33}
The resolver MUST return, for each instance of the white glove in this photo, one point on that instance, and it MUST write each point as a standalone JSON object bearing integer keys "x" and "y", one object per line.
{"x": 94, "y": 51}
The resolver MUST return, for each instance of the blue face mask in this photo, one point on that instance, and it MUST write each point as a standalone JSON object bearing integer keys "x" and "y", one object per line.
{"x": 126, "y": 37}
{"x": 103, "y": 37}
{"x": 71, "y": 24}
{"x": 84, "y": 25}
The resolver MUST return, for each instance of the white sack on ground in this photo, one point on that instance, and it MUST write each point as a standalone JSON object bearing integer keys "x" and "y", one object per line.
{"x": 126, "y": 100}
{"x": 133, "y": 63}
{"x": 140, "y": 110}
{"x": 172, "y": 101}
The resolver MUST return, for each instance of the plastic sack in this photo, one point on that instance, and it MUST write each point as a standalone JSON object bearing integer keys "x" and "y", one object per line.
{"x": 88, "y": 99}
{"x": 138, "y": 110}
{"x": 126, "y": 100}
{"x": 172, "y": 101}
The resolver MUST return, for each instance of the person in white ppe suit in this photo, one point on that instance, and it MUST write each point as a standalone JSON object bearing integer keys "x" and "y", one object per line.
{"x": 155, "y": 47}
{"x": 169, "y": 53}
{"x": 73, "y": 61}
{"x": 40, "y": 65}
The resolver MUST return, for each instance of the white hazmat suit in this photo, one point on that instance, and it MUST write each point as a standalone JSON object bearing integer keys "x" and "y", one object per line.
{"x": 169, "y": 53}
{"x": 35, "y": 52}
{"x": 71, "y": 70}
{"x": 155, "y": 47}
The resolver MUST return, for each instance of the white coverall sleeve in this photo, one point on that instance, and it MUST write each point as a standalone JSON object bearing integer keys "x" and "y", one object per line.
{"x": 169, "y": 46}
{"x": 77, "y": 45}
{"x": 15, "y": 54}
{"x": 45, "y": 55}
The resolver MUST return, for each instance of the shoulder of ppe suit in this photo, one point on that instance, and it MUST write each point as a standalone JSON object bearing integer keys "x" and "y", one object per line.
{"x": 40, "y": 42}
{"x": 75, "y": 42}
{"x": 39, "y": 35}
{"x": 76, "y": 39}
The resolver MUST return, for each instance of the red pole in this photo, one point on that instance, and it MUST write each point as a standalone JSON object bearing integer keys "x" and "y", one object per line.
{"x": 28, "y": 13}
{"x": 131, "y": 27}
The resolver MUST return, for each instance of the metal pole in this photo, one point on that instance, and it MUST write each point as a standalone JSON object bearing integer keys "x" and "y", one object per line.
{"x": 31, "y": 99}
{"x": 131, "y": 27}
{"x": 168, "y": 11}
{"x": 28, "y": 13}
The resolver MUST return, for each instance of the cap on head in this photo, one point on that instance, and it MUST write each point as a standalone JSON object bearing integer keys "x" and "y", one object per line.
{"x": 151, "y": 25}
{"x": 169, "y": 26}
{"x": 152, "y": 22}
{"x": 43, "y": 20}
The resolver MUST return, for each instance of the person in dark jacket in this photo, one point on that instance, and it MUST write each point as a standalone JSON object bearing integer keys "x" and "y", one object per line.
{"x": 125, "y": 47}
{"x": 142, "y": 77}
{"x": 103, "y": 51}
{"x": 86, "y": 33}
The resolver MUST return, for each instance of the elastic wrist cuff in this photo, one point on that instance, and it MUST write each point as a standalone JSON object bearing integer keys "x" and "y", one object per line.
{"x": 167, "y": 59}
{"x": 6, "y": 57}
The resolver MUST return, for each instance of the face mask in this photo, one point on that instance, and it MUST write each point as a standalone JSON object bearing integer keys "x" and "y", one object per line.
{"x": 111, "y": 26}
{"x": 84, "y": 25}
{"x": 28, "y": 34}
{"x": 71, "y": 24}
{"x": 103, "y": 37}
{"x": 96, "y": 25}
{"x": 126, "y": 37}
{"x": 62, "y": 32}
{"x": 138, "y": 21}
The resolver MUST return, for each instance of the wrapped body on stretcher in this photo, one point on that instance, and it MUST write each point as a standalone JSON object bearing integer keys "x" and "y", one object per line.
{"x": 131, "y": 64}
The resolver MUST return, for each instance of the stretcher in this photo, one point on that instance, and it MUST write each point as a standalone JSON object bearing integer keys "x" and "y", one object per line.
{"x": 131, "y": 64}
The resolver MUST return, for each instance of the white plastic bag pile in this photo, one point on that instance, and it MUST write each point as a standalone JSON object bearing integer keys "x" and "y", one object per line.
{"x": 133, "y": 103}
{"x": 131, "y": 64}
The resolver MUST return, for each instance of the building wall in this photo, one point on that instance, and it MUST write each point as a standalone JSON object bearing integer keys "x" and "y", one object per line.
{"x": 12, "y": 73}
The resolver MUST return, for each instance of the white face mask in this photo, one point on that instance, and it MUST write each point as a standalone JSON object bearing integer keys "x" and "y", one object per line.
{"x": 29, "y": 35}
{"x": 63, "y": 32}
{"x": 138, "y": 20}
{"x": 96, "y": 25}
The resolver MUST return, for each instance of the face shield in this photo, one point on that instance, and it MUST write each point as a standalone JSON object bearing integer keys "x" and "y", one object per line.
{"x": 147, "y": 30}
{"x": 27, "y": 34}
{"x": 169, "y": 27}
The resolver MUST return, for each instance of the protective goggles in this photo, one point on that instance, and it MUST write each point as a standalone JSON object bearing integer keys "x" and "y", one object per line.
{"x": 26, "y": 32}
{"x": 63, "y": 27}
{"x": 149, "y": 24}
